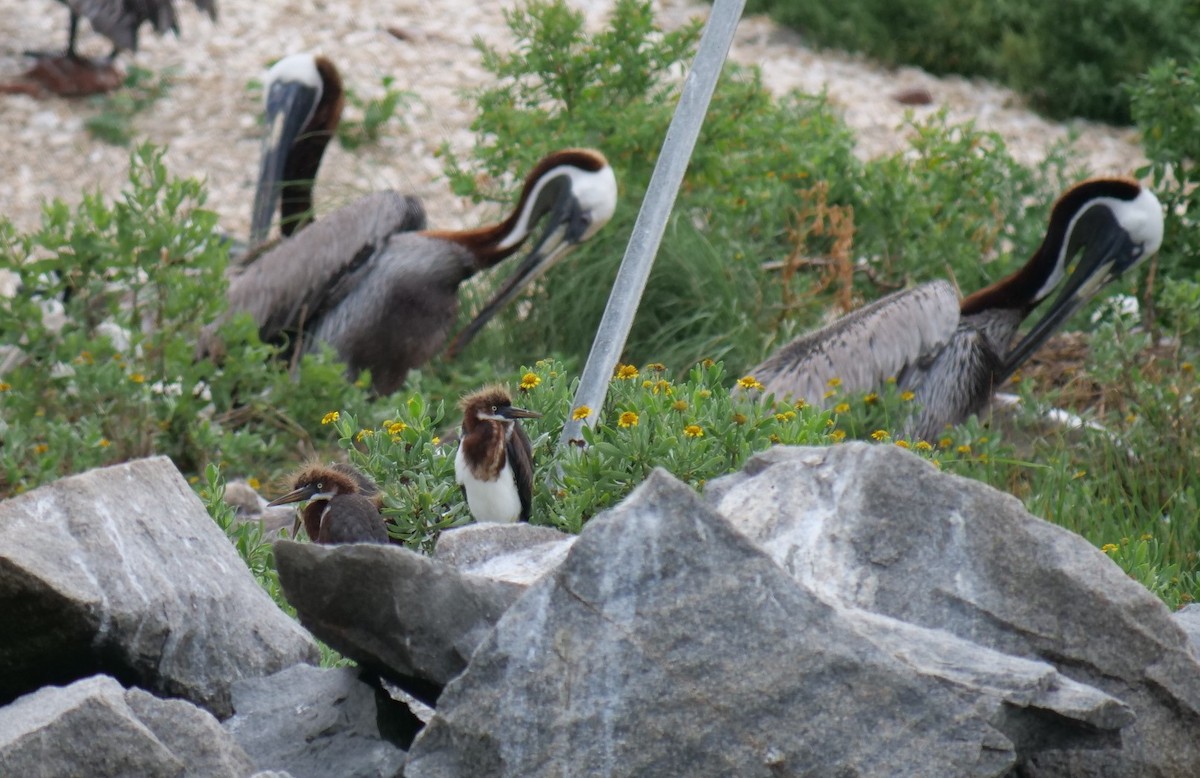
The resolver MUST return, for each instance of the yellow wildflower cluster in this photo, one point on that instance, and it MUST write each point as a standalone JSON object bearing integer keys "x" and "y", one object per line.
{"x": 626, "y": 372}
{"x": 254, "y": 483}
{"x": 841, "y": 408}
{"x": 739, "y": 418}
{"x": 923, "y": 446}
{"x": 800, "y": 405}
{"x": 902, "y": 443}
{"x": 5, "y": 386}
{"x": 363, "y": 433}
{"x": 680, "y": 405}
{"x": 529, "y": 381}
{"x": 838, "y": 436}
{"x": 137, "y": 378}
{"x": 331, "y": 417}
{"x": 871, "y": 399}
{"x": 580, "y": 413}
{"x": 395, "y": 427}
{"x": 1109, "y": 548}
{"x": 103, "y": 443}
{"x": 627, "y": 419}
{"x": 834, "y": 383}
{"x": 785, "y": 416}
{"x": 964, "y": 449}
{"x": 907, "y": 396}
{"x": 693, "y": 431}
{"x": 880, "y": 435}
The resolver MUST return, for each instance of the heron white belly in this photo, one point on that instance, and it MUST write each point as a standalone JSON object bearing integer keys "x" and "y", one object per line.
{"x": 489, "y": 501}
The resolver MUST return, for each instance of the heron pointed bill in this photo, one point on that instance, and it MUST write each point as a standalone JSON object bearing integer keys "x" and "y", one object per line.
{"x": 1108, "y": 253}
{"x": 300, "y": 494}
{"x": 290, "y": 106}
{"x": 512, "y": 412}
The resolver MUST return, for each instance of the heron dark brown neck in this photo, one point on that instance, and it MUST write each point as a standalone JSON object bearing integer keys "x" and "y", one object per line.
{"x": 485, "y": 243}
{"x": 483, "y": 448}
{"x": 304, "y": 158}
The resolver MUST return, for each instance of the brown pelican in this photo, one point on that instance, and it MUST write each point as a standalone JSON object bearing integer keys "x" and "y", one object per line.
{"x": 119, "y": 20}
{"x": 343, "y": 505}
{"x": 494, "y": 463}
{"x": 953, "y": 355}
{"x": 384, "y": 296}
{"x": 304, "y": 100}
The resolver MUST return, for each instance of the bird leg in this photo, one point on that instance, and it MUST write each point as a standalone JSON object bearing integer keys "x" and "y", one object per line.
{"x": 73, "y": 27}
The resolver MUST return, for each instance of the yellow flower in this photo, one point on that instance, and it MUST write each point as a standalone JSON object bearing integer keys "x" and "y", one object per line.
{"x": 963, "y": 449}
{"x": 785, "y": 416}
{"x": 1147, "y": 536}
{"x": 881, "y": 435}
{"x": 103, "y": 443}
{"x": 871, "y": 398}
{"x": 841, "y": 408}
{"x": 838, "y": 435}
{"x": 1078, "y": 474}
{"x": 923, "y": 446}
{"x": 902, "y": 443}
{"x": 582, "y": 412}
{"x": 254, "y": 483}
{"x": 435, "y": 440}
{"x": 331, "y": 417}
{"x": 829, "y": 422}
{"x": 945, "y": 443}
{"x": 628, "y": 419}
{"x": 706, "y": 362}
{"x": 626, "y": 372}
{"x": 1109, "y": 548}
{"x": 529, "y": 381}
{"x": 704, "y": 394}
{"x": 800, "y": 405}
{"x": 5, "y": 386}
{"x": 85, "y": 358}
{"x": 395, "y": 427}
{"x": 936, "y": 463}
{"x": 891, "y": 380}
{"x": 774, "y": 438}
{"x": 739, "y": 418}
{"x": 1016, "y": 379}
{"x": 749, "y": 382}
{"x": 829, "y": 393}
{"x": 907, "y": 396}
{"x": 41, "y": 448}
{"x": 663, "y": 387}
{"x": 363, "y": 433}
{"x": 680, "y": 405}
{"x": 834, "y": 383}
{"x": 1187, "y": 367}
{"x": 137, "y": 378}
{"x": 656, "y": 367}
{"x": 693, "y": 431}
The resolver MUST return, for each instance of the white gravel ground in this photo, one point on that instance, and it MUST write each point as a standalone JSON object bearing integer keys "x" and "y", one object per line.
{"x": 209, "y": 117}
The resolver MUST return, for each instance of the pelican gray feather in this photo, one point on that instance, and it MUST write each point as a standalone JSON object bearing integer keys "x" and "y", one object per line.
{"x": 953, "y": 355}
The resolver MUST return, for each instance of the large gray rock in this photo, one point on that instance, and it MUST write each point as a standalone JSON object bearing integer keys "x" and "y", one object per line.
{"x": 1188, "y": 618}
{"x": 669, "y": 644}
{"x": 122, "y": 571}
{"x": 391, "y": 609}
{"x": 313, "y": 723}
{"x": 95, "y": 727}
{"x": 877, "y": 528}
{"x": 519, "y": 553}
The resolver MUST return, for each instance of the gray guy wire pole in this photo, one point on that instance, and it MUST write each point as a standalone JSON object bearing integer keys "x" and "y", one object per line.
{"x": 652, "y": 218}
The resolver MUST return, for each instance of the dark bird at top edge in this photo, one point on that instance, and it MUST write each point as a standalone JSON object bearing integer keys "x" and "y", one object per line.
{"x": 343, "y": 505}
{"x": 494, "y": 464}
{"x": 120, "y": 20}
{"x": 953, "y": 355}
{"x": 371, "y": 282}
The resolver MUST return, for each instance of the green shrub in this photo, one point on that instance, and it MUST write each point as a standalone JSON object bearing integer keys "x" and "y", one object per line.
{"x": 1070, "y": 58}
{"x": 102, "y": 331}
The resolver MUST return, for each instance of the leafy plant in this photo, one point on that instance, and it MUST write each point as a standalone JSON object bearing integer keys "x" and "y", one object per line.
{"x": 142, "y": 89}
{"x": 371, "y": 116}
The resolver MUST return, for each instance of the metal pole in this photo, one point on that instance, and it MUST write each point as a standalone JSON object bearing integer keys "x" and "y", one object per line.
{"x": 652, "y": 219}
